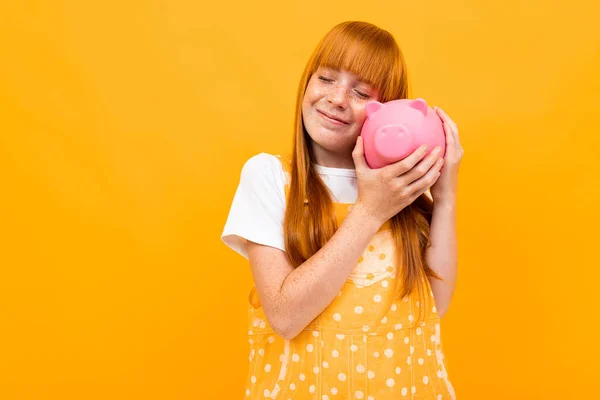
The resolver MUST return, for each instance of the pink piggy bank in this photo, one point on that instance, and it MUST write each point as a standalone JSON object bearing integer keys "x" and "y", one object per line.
{"x": 393, "y": 130}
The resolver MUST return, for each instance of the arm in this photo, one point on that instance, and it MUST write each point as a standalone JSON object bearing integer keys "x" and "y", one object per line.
{"x": 442, "y": 255}
{"x": 293, "y": 297}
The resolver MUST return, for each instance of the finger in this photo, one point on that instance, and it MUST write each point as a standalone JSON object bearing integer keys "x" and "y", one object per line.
{"x": 452, "y": 127}
{"x": 432, "y": 161}
{"x": 445, "y": 123}
{"x": 456, "y": 138}
{"x": 450, "y": 135}
{"x": 400, "y": 167}
{"x": 420, "y": 185}
{"x": 450, "y": 130}
{"x": 447, "y": 118}
{"x": 455, "y": 141}
{"x": 358, "y": 155}
{"x": 440, "y": 114}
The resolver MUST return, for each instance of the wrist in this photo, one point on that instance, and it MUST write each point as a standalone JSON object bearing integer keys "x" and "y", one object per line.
{"x": 366, "y": 218}
{"x": 446, "y": 202}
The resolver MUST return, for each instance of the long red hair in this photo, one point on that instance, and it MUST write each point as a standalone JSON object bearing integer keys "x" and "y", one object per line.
{"x": 373, "y": 54}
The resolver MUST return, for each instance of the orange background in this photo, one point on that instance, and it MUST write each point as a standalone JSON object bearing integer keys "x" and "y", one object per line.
{"x": 123, "y": 130}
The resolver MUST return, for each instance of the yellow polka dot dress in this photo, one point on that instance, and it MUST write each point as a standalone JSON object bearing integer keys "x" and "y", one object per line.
{"x": 365, "y": 345}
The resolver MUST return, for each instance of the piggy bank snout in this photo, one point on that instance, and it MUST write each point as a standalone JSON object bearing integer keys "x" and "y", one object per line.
{"x": 392, "y": 141}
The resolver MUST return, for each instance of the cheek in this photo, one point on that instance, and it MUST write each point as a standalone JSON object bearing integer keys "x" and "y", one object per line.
{"x": 307, "y": 101}
{"x": 306, "y": 105}
{"x": 360, "y": 115}
{"x": 311, "y": 96}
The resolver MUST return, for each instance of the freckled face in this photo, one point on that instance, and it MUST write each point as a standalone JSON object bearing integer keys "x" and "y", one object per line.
{"x": 333, "y": 111}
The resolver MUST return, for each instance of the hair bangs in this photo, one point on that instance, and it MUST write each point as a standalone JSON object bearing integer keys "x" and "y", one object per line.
{"x": 363, "y": 51}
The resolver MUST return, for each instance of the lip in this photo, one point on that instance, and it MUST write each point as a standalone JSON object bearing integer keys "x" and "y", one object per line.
{"x": 331, "y": 119}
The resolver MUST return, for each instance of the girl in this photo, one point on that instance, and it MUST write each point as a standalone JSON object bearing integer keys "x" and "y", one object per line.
{"x": 353, "y": 267}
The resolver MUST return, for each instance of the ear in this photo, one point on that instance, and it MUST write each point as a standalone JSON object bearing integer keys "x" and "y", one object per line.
{"x": 419, "y": 104}
{"x": 373, "y": 106}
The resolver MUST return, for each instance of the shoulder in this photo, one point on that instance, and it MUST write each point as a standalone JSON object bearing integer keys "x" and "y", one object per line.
{"x": 263, "y": 168}
{"x": 262, "y": 162}
{"x": 258, "y": 208}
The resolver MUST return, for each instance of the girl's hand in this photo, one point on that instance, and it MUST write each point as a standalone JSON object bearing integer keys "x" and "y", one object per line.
{"x": 384, "y": 192}
{"x": 445, "y": 188}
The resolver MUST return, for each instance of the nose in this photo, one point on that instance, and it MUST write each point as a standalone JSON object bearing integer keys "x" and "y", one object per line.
{"x": 337, "y": 96}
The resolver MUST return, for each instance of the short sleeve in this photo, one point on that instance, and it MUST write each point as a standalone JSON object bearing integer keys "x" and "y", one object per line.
{"x": 258, "y": 206}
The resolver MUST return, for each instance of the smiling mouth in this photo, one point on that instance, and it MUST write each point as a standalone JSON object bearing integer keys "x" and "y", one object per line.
{"x": 332, "y": 119}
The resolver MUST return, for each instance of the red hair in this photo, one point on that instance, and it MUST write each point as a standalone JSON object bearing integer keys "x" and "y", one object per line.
{"x": 371, "y": 53}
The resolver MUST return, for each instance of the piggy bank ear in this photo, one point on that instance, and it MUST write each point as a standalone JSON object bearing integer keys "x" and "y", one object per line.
{"x": 419, "y": 104}
{"x": 373, "y": 106}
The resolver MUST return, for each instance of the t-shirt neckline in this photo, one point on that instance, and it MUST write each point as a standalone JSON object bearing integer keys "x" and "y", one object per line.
{"x": 349, "y": 172}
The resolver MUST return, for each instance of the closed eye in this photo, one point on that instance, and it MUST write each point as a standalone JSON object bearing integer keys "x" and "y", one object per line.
{"x": 329, "y": 80}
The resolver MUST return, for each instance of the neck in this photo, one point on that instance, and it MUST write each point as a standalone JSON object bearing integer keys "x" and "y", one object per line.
{"x": 330, "y": 159}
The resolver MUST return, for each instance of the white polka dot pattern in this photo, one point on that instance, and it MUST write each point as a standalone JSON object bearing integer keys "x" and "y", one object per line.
{"x": 366, "y": 345}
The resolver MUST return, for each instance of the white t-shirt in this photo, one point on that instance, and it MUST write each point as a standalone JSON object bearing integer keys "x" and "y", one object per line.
{"x": 258, "y": 206}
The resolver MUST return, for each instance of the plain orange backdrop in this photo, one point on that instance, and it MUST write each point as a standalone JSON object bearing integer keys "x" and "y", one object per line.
{"x": 123, "y": 130}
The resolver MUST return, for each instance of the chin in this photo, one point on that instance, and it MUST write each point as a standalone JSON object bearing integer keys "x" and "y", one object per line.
{"x": 331, "y": 140}
{"x": 335, "y": 145}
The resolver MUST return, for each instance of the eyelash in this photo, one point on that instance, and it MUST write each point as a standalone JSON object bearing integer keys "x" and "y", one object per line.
{"x": 362, "y": 95}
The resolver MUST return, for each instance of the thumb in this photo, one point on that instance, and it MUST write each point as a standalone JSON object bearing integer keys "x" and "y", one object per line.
{"x": 358, "y": 155}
